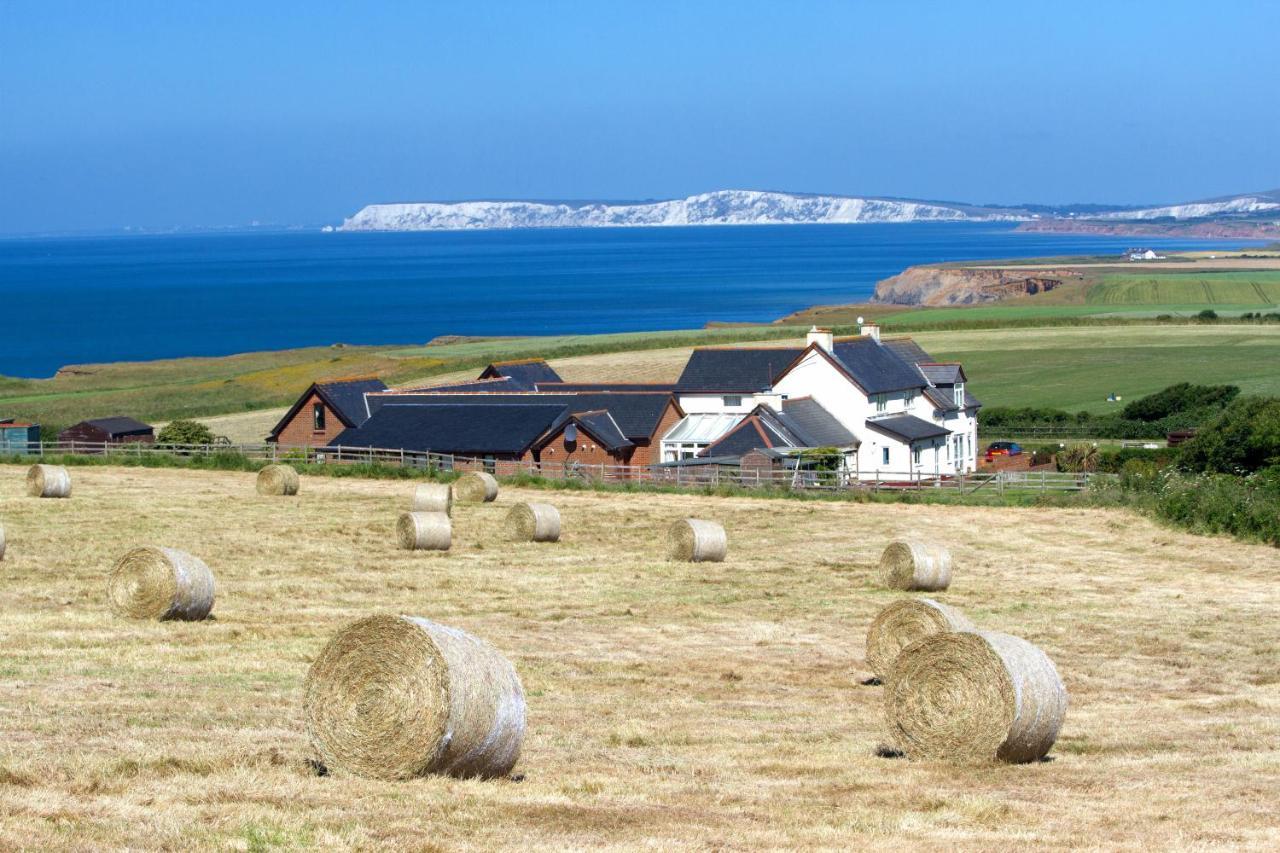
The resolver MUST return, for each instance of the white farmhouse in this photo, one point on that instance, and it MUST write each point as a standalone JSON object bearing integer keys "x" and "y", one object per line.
{"x": 887, "y": 406}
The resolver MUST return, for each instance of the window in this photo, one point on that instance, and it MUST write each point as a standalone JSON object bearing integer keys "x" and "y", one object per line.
{"x": 959, "y": 393}
{"x": 884, "y": 456}
{"x": 317, "y": 417}
{"x": 491, "y": 464}
{"x": 732, "y": 400}
{"x": 915, "y": 456}
{"x": 909, "y": 398}
{"x": 882, "y": 402}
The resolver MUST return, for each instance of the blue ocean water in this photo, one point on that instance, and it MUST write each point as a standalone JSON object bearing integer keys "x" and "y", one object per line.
{"x": 77, "y": 300}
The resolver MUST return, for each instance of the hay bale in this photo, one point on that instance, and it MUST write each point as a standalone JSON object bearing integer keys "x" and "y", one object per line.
{"x": 904, "y": 622}
{"x": 433, "y": 497}
{"x": 278, "y": 481}
{"x": 973, "y": 697}
{"x": 160, "y": 583}
{"x": 395, "y": 697}
{"x": 693, "y": 540}
{"x": 48, "y": 481}
{"x": 534, "y": 522}
{"x": 911, "y": 564}
{"x": 476, "y": 487}
{"x": 424, "y": 531}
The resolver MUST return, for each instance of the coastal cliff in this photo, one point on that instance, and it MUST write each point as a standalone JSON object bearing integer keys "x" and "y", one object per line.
{"x": 934, "y": 286}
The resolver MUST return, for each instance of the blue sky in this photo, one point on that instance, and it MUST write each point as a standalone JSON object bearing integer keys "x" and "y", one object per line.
{"x": 160, "y": 114}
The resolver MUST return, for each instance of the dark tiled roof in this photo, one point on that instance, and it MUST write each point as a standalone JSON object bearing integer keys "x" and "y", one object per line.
{"x": 119, "y": 426}
{"x": 637, "y": 415}
{"x": 941, "y": 374}
{"x": 819, "y": 427}
{"x": 907, "y": 350}
{"x": 462, "y": 428}
{"x": 605, "y": 430}
{"x": 744, "y": 438}
{"x": 734, "y": 371}
{"x": 347, "y": 398}
{"x": 525, "y": 374}
{"x": 907, "y": 427}
{"x": 876, "y": 369}
{"x": 636, "y": 387}
{"x": 500, "y": 383}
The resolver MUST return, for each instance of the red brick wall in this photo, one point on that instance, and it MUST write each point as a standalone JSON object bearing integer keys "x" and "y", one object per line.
{"x": 298, "y": 432}
{"x": 651, "y": 454}
{"x": 555, "y": 456}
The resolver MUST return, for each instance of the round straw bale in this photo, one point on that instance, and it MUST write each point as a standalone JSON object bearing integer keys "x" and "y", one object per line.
{"x": 476, "y": 487}
{"x": 394, "y": 697}
{"x": 974, "y": 696}
{"x": 278, "y": 480}
{"x": 424, "y": 531}
{"x": 433, "y": 497}
{"x": 534, "y": 522}
{"x": 911, "y": 564}
{"x": 48, "y": 481}
{"x": 693, "y": 540}
{"x": 160, "y": 583}
{"x": 902, "y": 623}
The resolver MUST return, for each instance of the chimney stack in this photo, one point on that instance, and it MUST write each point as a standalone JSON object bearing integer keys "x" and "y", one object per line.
{"x": 822, "y": 337}
{"x": 871, "y": 330}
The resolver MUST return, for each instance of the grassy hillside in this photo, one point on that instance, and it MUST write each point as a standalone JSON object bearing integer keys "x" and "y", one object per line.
{"x": 1236, "y": 289}
{"x": 669, "y": 706}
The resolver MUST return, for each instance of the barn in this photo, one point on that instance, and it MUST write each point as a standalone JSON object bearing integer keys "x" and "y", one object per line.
{"x": 117, "y": 430}
{"x": 18, "y": 436}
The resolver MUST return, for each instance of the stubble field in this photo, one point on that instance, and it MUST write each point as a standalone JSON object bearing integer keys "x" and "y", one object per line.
{"x": 670, "y": 705}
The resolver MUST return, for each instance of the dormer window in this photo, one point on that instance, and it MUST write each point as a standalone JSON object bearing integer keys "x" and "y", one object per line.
{"x": 882, "y": 402}
{"x": 960, "y": 394}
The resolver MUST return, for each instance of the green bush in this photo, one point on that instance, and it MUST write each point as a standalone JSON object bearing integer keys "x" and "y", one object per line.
{"x": 185, "y": 432}
{"x": 1207, "y": 314}
{"x": 1078, "y": 458}
{"x": 1242, "y": 439}
{"x": 1183, "y": 397}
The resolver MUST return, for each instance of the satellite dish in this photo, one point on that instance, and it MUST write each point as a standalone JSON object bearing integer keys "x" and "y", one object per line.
{"x": 859, "y": 321}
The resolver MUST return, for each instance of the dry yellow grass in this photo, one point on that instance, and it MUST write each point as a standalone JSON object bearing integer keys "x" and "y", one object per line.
{"x": 670, "y": 705}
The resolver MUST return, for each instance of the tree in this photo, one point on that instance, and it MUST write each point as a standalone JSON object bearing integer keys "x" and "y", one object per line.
{"x": 1182, "y": 397}
{"x": 185, "y": 432}
{"x": 1243, "y": 439}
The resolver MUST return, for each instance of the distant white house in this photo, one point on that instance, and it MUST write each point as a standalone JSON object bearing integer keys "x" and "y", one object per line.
{"x": 888, "y": 406}
{"x": 1143, "y": 255}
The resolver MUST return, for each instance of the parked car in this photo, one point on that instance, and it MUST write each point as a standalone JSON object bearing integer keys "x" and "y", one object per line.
{"x": 1003, "y": 448}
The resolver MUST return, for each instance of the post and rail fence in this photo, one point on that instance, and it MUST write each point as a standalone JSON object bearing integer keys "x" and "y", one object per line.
{"x": 693, "y": 476}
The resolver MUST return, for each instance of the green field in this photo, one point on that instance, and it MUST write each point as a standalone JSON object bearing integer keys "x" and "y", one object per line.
{"x": 1235, "y": 289}
{"x": 1076, "y": 368}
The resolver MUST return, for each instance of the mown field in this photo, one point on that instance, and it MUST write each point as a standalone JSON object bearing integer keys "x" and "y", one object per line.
{"x": 1260, "y": 289}
{"x": 671, "y": 706}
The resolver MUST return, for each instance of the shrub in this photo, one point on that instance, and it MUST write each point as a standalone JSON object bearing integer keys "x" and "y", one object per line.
{"x": 1207, "y": 314}
{"x": 1078, "y": 458}
{"x": 185, "y": 432}
{"x": 1244, "y": 438}
{"x": 1183, "y": 397}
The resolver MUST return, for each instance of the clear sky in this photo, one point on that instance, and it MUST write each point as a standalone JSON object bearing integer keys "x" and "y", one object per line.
{"x": 185, "y": 113}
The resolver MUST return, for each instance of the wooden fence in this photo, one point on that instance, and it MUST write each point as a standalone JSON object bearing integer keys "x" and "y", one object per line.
{"x": 697, "y": 475}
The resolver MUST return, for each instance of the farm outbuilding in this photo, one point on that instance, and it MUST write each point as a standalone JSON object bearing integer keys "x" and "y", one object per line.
{"x": 18, "y": 436}
{"x": 324, "y": 411}
{"x": 119, "y": 430}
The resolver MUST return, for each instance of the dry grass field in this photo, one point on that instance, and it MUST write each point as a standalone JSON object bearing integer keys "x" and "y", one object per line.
{"x": 670, "y": 705}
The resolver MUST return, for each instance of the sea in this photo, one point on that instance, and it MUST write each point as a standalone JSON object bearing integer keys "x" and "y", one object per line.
{"x": 77, "y": 300}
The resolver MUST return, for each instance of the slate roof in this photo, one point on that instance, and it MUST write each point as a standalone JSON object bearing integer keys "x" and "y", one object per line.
{"x": 637, "y": 415}
{"x": 942, "y": 374}
{"x": 347, "y": 397}
{"x": 604, "y": 429}
{"x": 617, "y": 387}
{"x": 526, "y": 374}
{"x": 119, "y": 425}
{"x": 906, "y": 349}
{"x": 744, "y": 438}
{"x": 734, "y": 371}
{"x": 807, "y": 417}
{"x": 907, "y": 427}
{"x": 876, "y": 369}
{"x": 466, "y": 428}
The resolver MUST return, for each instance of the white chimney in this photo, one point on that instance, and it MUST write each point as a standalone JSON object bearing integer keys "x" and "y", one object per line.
{"x": 871, "y": 330}
{"x": 822, "y": 337}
